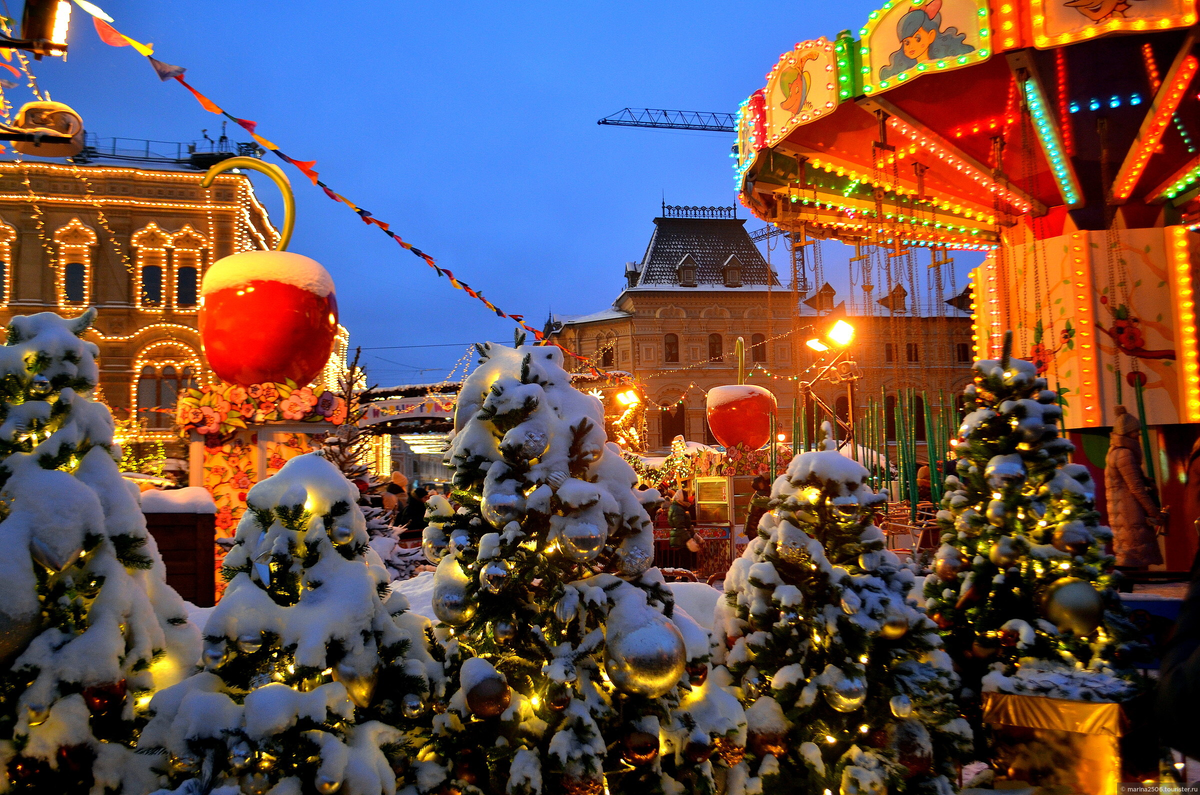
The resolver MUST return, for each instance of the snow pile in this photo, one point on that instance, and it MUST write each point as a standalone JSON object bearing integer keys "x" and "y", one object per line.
{"x": 191, "y": 499}
{"x": 244, "y": 269}
{"x": 1058, "y": 680}
{"x": 88, "y": 620}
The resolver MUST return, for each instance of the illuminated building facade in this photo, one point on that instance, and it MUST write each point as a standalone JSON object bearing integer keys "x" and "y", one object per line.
{"x": 134, "y": 243}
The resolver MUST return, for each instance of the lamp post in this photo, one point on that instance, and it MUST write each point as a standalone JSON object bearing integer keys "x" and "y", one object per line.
{"x": 839, "y": 335}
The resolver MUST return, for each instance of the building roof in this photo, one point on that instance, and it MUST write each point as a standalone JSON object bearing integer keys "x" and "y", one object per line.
{"x": 605, "y": 314}
{"x": 706, "y": 242}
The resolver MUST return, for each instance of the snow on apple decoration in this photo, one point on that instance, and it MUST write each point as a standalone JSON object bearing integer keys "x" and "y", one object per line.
{"x": 267, "y": 316}
{"x": 741, "y": 414}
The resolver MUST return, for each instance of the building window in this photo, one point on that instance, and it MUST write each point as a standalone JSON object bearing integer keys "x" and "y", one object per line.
{"x": 605, "y": 348}
{"x": 962, "y": 352}
{"x": 75, "y": 282}
{"x": 733, "y": 272}
{"x": 758, "y": 348}
{"x": 151, "y": 285}
{"x": 157, "y": 391}
{"x": 889, "y": 417}
{"x": 686, "y": 271}
{"x": 918, "y": 408}
{"x": 185, "y": 287}
{"x": 716, "y": 348}
{"x": 671, "y": 348}
{"x": 74, "y": 244}
{"x": 8, "y": 236}
{"x": 889, "y": 353}
{"x": 910, "y": 352}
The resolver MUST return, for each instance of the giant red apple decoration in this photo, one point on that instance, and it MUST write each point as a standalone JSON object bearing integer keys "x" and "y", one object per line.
{"x": 741, "y": 415}
{"x": 267, "y": 316}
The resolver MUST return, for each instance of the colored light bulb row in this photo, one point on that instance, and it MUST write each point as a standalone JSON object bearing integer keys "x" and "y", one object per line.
{"x": 983, "y": 179}
{"x": 900, "y": 190}
{"x": 1115, "y": 22}
{"x": 1184, "y": 296}
{"x": 1052, "y": 144}
{"x": 1115, "y": 101}
{"x": 1176, "y": 187}
{"x": 1081, "y": 280}
{"x": 1167, "y": 104}
{"x": 988, "y": 125}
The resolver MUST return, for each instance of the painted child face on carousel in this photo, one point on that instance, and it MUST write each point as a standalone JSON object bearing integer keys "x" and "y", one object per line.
{"x": 917, "y": 45}
{"x": 1097, "y": 10}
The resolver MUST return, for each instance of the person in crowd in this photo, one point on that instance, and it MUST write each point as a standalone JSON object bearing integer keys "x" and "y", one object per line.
{"x": 924, "y": 485}
{"x": 682, "y": 531}
{"x": 395, "y": 495}
{"x": 759, "y": 501}
{"x": 414, "y": 513}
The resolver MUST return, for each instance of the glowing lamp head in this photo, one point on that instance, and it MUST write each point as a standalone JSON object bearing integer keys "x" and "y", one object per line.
{"x": 817, "y": 345}
{"x": 628, "y": 398}
{"x": 842, "y": 333}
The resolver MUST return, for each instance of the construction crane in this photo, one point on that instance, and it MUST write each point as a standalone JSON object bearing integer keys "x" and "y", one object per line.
{"x": 672, "y": 120}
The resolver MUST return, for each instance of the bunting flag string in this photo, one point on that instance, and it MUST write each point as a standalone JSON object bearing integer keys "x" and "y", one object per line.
{"x": 111, "y": 36}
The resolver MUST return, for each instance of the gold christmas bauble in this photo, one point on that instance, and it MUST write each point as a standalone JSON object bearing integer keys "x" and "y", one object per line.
{"x": 1004, "y": 553}
{"x": 762, "y": 743}
{"x": 359, "y": 687}
{"x": 640, "y": 748}
{"x": 583, "y": 786}
{"x": 947, "y": 568}
{"x": 1073, "y": 604}
{"x": 895, "y": 624}
{"x": 792, "y": 552}
{"x": 730, "y": 753}
{"x": 489, "y": 697}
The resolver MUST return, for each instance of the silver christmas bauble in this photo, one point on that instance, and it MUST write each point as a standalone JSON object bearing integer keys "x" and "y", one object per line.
{"x": 503, "y": 631}
{"x": 996, "y": 511}
{"x": 186, "y": 763}
{"x": 582, "y": 541}
{"x": 500, "y": 508}
{"x": 240, "y": 757}
{"x": 895, "y": 624}
{"x": 16, "y": 634}
{"x": 494, "y": 575}
{"x": 435, "y": 548}
{"x": 460, "y": 538}
{"x": 633, "y": 560}
{"x": 846, "y": 695}
{"x": 1073, "y": 604}
{"x": 359, "y": 687}
{"x": 752, "y": 685}
{"x": 250, "y": 642}
{"x": 412, "y": 706}
{"x": 340, "y": 536}
{"x": 450, "y": 602}
{"x": 257, "y": 783}
{"x": 214, "y": 654}
{"x": 645, "y": 660}
{"x": 53, "y": 560}
{"x": 327, "y": 785}
{"x": 901, "y": 706}
{"x": 40, "y": 386}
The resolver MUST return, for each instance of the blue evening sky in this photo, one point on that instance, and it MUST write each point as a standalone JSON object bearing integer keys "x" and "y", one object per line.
{"x": 469, "y": 127}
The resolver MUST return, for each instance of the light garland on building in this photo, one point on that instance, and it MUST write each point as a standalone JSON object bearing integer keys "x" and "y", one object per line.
{"x": 74, "y": 243}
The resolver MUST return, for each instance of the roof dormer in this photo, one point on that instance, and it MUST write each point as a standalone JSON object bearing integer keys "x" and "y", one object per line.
{"x": 686, "y": 271}
{"x": 732, "y": 271}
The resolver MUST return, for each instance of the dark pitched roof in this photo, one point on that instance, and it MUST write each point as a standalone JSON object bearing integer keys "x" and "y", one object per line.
{"x": 710, "y": 243}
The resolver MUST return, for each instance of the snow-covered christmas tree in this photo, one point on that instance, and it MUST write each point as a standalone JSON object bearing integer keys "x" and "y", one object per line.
{"x": 89, "y": 629}
{"x": 842, "y": 674}
{"x": 568, "y": 668}
{"x": 317, "y": 678}
{"x": 1022, "y": 575}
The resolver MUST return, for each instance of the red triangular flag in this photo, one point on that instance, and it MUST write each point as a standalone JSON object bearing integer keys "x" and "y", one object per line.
{"x": 108, "y": 34}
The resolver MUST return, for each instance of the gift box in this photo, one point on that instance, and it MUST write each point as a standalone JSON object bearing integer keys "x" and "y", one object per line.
{"x": 1064, "y": 747}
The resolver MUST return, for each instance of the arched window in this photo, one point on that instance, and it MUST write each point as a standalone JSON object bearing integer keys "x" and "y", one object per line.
{"x": 75, "y": 282}
{"x": 151, "y": 285}
{"x": 187, "y": 262}
{"x": 758, "y": 348}
{"x": 185, "y": 287}
{"x": 74, "y": 244}
{"x": 158, "y": 390}
{"x": 716, "y": 348}
{"x": 606, "y": 347}
{"x": 671, "y": 348}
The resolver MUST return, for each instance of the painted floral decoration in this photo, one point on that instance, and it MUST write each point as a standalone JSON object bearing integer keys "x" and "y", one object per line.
{"x": 223, "y": 409}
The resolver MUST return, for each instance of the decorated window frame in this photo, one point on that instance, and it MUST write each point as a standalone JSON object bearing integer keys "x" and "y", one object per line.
{"x": 158, "y": 356}
{"x": 188, "y": 249}
{"x": 73, "y": 245}
{"x": 8, "y": 239}
{"x": 150, "y": 245}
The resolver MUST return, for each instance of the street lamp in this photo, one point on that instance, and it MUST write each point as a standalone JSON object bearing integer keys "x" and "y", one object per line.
{"x": 839, "y": 335}
{"x": 628, "y": 398}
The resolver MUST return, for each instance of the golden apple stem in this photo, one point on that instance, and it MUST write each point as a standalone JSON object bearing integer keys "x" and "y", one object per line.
{"x": 277, "y": 176}
{"x": 740, "y": 347}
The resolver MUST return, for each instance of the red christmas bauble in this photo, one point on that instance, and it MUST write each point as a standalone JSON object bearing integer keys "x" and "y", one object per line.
{"x": 267, "y": 316}
{"x": 741, "y": 415}
{"x": 105, "y": 701}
